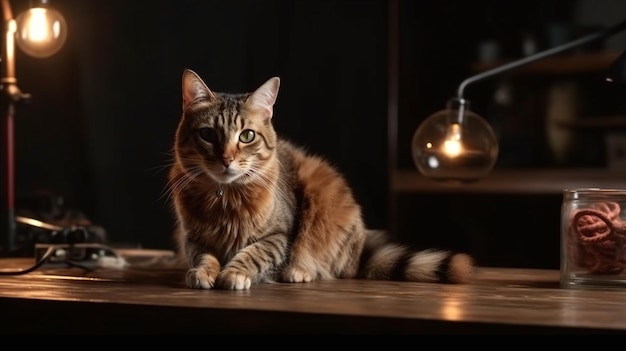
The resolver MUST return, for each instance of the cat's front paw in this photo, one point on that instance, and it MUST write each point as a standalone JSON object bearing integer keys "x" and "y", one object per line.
{"x": 233, "y": 279}
{"x": 200, "y": 278}
{"x": 296, "y": 275}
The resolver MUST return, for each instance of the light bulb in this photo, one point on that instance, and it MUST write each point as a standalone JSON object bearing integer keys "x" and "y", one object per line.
{"x": 41, "y": 31}
{"x": 454, "y": 144}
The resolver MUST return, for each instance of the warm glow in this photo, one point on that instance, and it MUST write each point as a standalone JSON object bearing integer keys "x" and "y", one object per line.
{"x": 452, "y": 311}
{"x": 41, "y": 31}
{"x": 452, "y": 146}
{"x": 452, "y": 308}
{"x": 36, "y": 28}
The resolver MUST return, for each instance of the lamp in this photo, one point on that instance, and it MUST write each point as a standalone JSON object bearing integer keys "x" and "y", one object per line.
{"x": 41, "y": 32}
{"x": 457, "y": 145}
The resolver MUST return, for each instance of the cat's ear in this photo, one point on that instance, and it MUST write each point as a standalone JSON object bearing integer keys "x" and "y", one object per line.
{"x": 194, "y": 89}
{"x": 264, "y": 97}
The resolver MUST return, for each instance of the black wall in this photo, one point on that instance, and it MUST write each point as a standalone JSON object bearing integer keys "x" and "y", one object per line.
{"x": 100, "y": 126}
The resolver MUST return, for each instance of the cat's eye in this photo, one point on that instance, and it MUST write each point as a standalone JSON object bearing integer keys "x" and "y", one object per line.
{"x": 208, "y": 134}
{"x": 246, "y": 136}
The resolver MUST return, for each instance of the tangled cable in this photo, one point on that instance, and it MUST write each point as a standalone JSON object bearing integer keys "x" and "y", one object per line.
{"x": 596, "y": 239}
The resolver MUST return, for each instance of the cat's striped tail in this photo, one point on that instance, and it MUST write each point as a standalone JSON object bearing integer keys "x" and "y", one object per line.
{"x": 384, "y": 260}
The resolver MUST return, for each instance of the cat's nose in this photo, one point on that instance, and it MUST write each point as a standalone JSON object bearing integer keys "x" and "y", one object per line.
{"x": 227, "y": 160}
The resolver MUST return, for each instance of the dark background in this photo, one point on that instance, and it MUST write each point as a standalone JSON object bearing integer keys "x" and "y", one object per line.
{"x": 101, "y": 123}
{"x": 100, "y": 126}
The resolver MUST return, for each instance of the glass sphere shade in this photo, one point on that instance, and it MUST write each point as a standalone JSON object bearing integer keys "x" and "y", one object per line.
{"x": 455, "y": 145}
{"x": 41, "y": 31}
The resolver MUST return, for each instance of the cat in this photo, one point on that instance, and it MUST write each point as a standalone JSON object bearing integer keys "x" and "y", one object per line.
{"x": 253, "y": 207}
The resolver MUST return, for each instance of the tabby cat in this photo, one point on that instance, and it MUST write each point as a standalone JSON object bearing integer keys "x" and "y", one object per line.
{"x": 252, "y": 207}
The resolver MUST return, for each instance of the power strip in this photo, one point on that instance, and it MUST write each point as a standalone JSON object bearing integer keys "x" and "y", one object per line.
{"x": 89, "y": 255}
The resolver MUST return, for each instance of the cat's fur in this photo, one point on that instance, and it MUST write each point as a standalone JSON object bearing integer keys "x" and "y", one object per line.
{"x": 252, "y": 207}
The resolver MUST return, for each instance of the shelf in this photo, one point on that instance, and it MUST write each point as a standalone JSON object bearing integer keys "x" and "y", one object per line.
{"x": 577, "y": 63}
{"x": 515, "y": 181}
{"x": 600, "y": 122}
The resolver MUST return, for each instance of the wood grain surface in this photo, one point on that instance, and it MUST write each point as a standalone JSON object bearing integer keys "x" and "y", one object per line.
{"x": 151, "y": 300}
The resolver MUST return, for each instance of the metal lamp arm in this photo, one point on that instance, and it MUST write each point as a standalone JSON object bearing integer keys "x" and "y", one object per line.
{"x": 6, "y": 10}
{"x": 542, "y": 54}
{"x": 8, "y": 79}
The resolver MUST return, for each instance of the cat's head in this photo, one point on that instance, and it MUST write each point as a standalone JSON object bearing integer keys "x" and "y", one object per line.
{"x": 230, "y": 137}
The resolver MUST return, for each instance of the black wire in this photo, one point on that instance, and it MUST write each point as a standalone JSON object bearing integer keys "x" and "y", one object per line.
{"x": 37, "y": 264}
{"x": 49, "y": 253}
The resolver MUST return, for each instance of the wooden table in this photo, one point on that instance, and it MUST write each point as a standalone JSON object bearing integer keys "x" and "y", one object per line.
{"x": 155, "y": 301}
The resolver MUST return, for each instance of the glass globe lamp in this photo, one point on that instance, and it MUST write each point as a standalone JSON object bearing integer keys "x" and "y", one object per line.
{"x": 41, "y": 31}
{"x": 458, "y": 145}
{"x": 454, "y": 145}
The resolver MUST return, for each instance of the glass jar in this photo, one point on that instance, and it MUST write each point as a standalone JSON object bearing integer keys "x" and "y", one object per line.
{"x": 593, "y": 238}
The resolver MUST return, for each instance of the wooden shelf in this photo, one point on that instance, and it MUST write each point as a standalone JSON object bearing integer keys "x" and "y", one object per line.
{"x": 599, "y": 122}
{"x": 515, "y": 181}
{"x": 576, "y": 63}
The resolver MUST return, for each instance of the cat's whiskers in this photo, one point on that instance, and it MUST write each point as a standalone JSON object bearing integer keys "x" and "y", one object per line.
{"x": 276, "y": 173}
{"x": 166, "y": 166}
{"x": 174, "y": 189}
{"x": 161, "y": 168}
{"x": 184, "y": 181}
{"x": 268, "y": 178}
{"x": 166, "y": 188}
{"x": 264, "y": 175}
